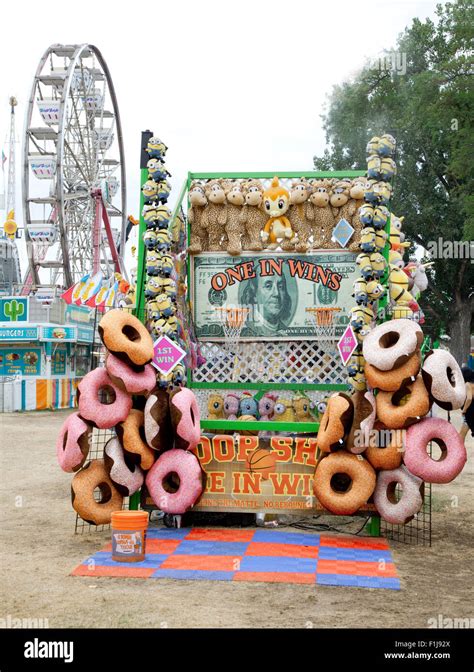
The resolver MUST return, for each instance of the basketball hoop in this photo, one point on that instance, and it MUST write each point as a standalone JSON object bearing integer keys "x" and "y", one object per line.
{"x": 233, "y": 320}
{"x": 324, "y": 326}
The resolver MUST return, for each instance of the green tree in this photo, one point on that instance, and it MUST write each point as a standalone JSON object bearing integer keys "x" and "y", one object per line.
{"x": 429, "y": 110}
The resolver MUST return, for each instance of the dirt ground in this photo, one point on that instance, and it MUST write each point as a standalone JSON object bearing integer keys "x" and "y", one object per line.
{"x": 39, "y": 549}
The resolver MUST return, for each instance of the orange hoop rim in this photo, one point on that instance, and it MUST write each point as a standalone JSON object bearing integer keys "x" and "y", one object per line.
{"x": 324, "y": 314}
{"x": 234, "y": 317}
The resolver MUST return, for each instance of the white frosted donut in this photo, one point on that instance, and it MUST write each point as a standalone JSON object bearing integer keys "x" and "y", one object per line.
{"x": 416, "y": 456}
{"x": 390, "y": 344}
{"x": 410, "y": 501}
{"x": 126, "y": 478}
{"x": 444, "y": 380}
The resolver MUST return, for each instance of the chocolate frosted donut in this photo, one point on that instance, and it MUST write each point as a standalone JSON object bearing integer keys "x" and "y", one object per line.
{"x": 444, "y": 380}
{"x": 335, "y": 423}
{"x": 364, "y": 418}
{"x": 391, "y": 381}
{"x": 158, "y": 432}
{"x": 343, "y": 482}
{"x": 396, "y": 416}
{"x": 410, "y": 502}
{"x": 126, "y": 337}
{"x": 126, "y": 478}
{"x": 94, "y": 475}
{"x": 131, "y": 434}
{"x": 392, "y": 343}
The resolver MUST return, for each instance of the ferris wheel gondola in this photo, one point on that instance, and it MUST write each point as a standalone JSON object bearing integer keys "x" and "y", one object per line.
{"x": 74, "y": 196}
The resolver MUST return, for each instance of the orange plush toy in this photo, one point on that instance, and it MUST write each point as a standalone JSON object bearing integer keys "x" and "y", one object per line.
{"x": 276, "y": 202}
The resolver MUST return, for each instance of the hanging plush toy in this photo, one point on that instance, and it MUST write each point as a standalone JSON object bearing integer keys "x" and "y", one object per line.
{"x": 360, "y": 291}
{"x": 302, "y": 408}
{"x": 364, "y": 263}
{"x": 150, "y": 191}
{"x": 276, "y": 201}
{"x": 156, "y": 149}
{"x": 379, "y": 264}
{"x": 156, "y": 170}
{"x": 386, "y": 145}
{"x": 215, "y": 407}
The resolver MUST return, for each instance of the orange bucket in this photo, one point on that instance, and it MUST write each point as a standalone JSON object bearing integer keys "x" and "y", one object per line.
{"x": 129, "y": 535}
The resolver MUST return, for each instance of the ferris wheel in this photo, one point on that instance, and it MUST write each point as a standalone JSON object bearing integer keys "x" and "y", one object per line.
{"x": 74, "y": 194}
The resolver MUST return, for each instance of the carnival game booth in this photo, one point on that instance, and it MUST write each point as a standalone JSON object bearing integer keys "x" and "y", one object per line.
{"x": 41, "y": 361}
{"x": 275, "y": 362}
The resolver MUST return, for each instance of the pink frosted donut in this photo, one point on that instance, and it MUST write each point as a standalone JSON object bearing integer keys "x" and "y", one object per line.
{"x": 100, "y": 414}
{"x": 72, "y": 445}
{"x": 127, "y": 479}
{"x": 443, "y": 380}
{"x": 185, "y": 418}
{"x": 186, "y": 466}
{"x": 128, "y": 380}
{"x": 410, "y": 501}
{"x": 392, "y": 343}
{"x": 445, "y": 435}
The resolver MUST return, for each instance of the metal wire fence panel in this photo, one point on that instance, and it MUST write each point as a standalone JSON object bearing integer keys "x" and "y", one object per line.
{"x": 96, "y": 452}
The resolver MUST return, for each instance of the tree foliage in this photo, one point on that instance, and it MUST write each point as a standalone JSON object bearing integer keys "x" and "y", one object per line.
{"x": 429, "y": 110}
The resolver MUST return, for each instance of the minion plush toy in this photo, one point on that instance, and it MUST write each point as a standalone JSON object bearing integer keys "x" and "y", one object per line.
{"x": 157, "y": 170}
{"x": 156, "y": 149}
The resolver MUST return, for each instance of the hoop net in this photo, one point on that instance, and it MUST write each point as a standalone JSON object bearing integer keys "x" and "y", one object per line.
{"x": 324, "y": 326}
{"x": 233, "y": 320}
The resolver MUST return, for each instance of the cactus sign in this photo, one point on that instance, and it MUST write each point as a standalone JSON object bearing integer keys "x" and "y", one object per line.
{"x": 14, "y": 309}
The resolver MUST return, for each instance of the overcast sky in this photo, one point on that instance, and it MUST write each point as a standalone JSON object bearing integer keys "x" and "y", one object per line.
{"x": 228, "y": 86}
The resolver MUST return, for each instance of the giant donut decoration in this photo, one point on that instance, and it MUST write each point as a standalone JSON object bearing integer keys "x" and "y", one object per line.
{"x": 391, "y": 381}
{"x": 390, "y": 445}
{"x": 362, "y": 482}
{"x": 185, "y": 418}
{"x": 129, "y": 380}
{"x": 73, "y": 442}
{"x": 158, "y": 432}
{"x": 396, "y": 416}
{"x": 452, "y": 446}
{"x": 444, "y": 380}
{"x": 127, "y": 479}
{"x": 410, "y": 501}
{"x": 362, "y": 425}
{"x": 132, "y": 437}
{"x": 188, "y": 469}
{"x": 392, "y": 343}
{"x": 126, "y": 337}
{"x": 94, "y": 475}
{"x": 92, "y": 409}
{"x": 335, "y": 423}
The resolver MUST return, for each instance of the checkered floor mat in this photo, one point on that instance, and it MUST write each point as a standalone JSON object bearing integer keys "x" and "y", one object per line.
{"x": 254, "y": 555}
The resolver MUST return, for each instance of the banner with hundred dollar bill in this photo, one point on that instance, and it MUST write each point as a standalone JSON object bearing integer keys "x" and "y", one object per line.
{"x": 276, "y": 288}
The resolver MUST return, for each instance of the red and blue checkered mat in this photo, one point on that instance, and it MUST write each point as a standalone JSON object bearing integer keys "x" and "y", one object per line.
{"x": 254, "y": 555}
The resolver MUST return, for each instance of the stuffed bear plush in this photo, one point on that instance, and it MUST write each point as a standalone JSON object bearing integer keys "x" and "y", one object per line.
{"x": 233, "y": 227}
{"x": 357, "y": 195}
{"x": 342, "y": 205}
{"x": 199, "y": 239}
{"x": 320, "y": 214}
{"x": 298, "y": 215}
{"x": 252, "y": 215}
{"x": 214, "y": 217}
